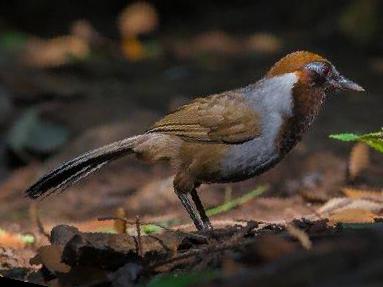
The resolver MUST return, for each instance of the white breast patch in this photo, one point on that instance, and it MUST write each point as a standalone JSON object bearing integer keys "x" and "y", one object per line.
{"x": 272, "y": 99}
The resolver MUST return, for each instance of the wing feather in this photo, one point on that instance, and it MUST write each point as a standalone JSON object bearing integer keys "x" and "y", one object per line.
{"x": 221, "y": 118}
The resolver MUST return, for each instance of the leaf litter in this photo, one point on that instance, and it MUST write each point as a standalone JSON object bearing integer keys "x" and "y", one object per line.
{"x": 266, "y": 246}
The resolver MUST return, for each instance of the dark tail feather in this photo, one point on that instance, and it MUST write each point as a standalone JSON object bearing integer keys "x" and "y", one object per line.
{"x": 76, "y": 169}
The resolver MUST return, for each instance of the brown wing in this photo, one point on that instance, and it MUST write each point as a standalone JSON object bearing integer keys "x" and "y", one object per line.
{"x": 221, "y": 118}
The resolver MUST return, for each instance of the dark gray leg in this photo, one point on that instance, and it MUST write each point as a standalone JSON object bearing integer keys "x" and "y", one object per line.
{"x": 201, "y": 210}
{"x": 190, "y": 208}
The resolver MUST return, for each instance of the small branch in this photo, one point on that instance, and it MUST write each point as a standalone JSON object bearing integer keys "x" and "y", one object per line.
{"x": 35, "y": 217}
{"x": 179, "y": 232}
{"x": 139, "y": 239}
{"x": 212, "y": 248}
{"x": 300, "y": 235}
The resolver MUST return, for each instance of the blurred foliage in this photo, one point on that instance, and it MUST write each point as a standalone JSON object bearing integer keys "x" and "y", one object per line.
{"x": 374, "y": 140}
{"x": 182, "y": 280}
{"x": 30, "y": 133}
{"x": 151, "y": 228}
{"x": 359, "y": 20}
{"x": 227, "y": 206}
{"x": 5, "y": 106}
{"x": 13, "y": 40}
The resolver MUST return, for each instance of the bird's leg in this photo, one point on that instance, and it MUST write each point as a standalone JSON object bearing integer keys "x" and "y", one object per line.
{"x": 201, "y": 210}
{"x": 190, "y": 208}
{"x": 185, "y": 188}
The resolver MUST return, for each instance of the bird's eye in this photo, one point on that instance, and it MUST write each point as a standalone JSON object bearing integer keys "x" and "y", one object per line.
{"x": 319, "y": 71}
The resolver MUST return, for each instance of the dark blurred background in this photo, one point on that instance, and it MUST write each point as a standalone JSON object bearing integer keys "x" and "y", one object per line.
{"x": 77, "y": 74}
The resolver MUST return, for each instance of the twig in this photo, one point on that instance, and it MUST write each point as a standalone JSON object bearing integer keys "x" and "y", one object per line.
{"x": 180, "y": 232}
{"x": 139, "y": 239}
{"x": 161, "y": 242}
{"x": 300, "y": 235}
{"x": 200, "y": 252}
{"x": 120, "y": 225}
{"x": 35, "y": 216}
{"x": 212, "y": 248}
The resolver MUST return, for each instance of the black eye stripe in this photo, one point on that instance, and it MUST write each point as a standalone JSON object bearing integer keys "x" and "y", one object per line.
{"x": 319, "y": 71}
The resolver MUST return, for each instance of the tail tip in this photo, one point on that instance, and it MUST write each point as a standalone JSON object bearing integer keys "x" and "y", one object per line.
{"x": 33, "y": 193}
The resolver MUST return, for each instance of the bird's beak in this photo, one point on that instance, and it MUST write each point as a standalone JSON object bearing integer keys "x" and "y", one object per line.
{"x": 342, "y": 83}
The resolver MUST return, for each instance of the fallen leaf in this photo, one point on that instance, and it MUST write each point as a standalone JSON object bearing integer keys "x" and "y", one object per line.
{"x": 359, "y": 160}
{"x": 216, "y": 42}
{"x": 133, "y": 49}
{"x": 264, "y": 43}
{"x": 50, "y": 257}
{"x": 8, "y": 258}
{"x": 352, "y": 215}
{"x": 120, "y": 225}
{"x": 137, "y": 18}
{"x": 362, "y": 193}
{"x": 12, "y": 240}
{"x": 300, "y": 235}
{"x": 55, "y": 52}
{"x": 83, "y": 29}
{"x": 339, "y": 204}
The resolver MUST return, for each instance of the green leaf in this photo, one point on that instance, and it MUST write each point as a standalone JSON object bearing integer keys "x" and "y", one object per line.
{"x": 345, "y": 137}
{"x": 151, "y": 228}
{"x": 374, "y": 140}
{"x": 27, "y": 238}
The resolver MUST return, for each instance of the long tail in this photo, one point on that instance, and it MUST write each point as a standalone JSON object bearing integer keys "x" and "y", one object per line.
{"x": 76, "y": 169}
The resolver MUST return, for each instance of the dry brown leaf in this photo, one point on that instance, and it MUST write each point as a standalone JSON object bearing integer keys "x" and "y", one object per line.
{"x": 133, "y": 49}
{"x": 8, "y": 258}
{"x": 84, "y": 30}
{"x": 359, "y": 160}
{"x": 264, "y": 43}
{"x": 300, "y": 235}
{"x": 339, "y": 204}
{"x": 211, "y": 42}
{"x": 216, "y": 42}
{"x": 137, "y": 18}
{"x": 352, "y": 215}
{"x": 357, "y": 193}
{"x": 120, "y": 225}
{"x": 50, "y": 257}
{"x": 333, "y": 205}
{"x": 11, "y": 240}
{"x": 55, "y": 52}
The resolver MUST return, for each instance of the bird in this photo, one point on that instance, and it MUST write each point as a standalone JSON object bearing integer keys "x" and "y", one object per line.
{"x": 221, "y": 138}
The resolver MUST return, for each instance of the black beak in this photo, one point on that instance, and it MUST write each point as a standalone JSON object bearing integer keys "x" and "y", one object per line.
{"x": 342, "y": 83}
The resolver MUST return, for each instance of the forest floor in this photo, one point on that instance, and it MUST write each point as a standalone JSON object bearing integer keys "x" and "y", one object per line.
{"x": 314, "y": 219}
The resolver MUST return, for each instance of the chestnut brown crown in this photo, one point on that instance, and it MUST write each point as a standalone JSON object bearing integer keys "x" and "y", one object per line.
{"x": 313, "y": 69}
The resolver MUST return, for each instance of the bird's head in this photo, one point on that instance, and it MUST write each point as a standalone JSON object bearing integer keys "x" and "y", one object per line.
{"x": 313, "y": 71}
{"x": 311, "y": 77}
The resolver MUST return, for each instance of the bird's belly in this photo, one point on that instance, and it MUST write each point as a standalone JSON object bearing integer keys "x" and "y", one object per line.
{"x": 248, "y": 159}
